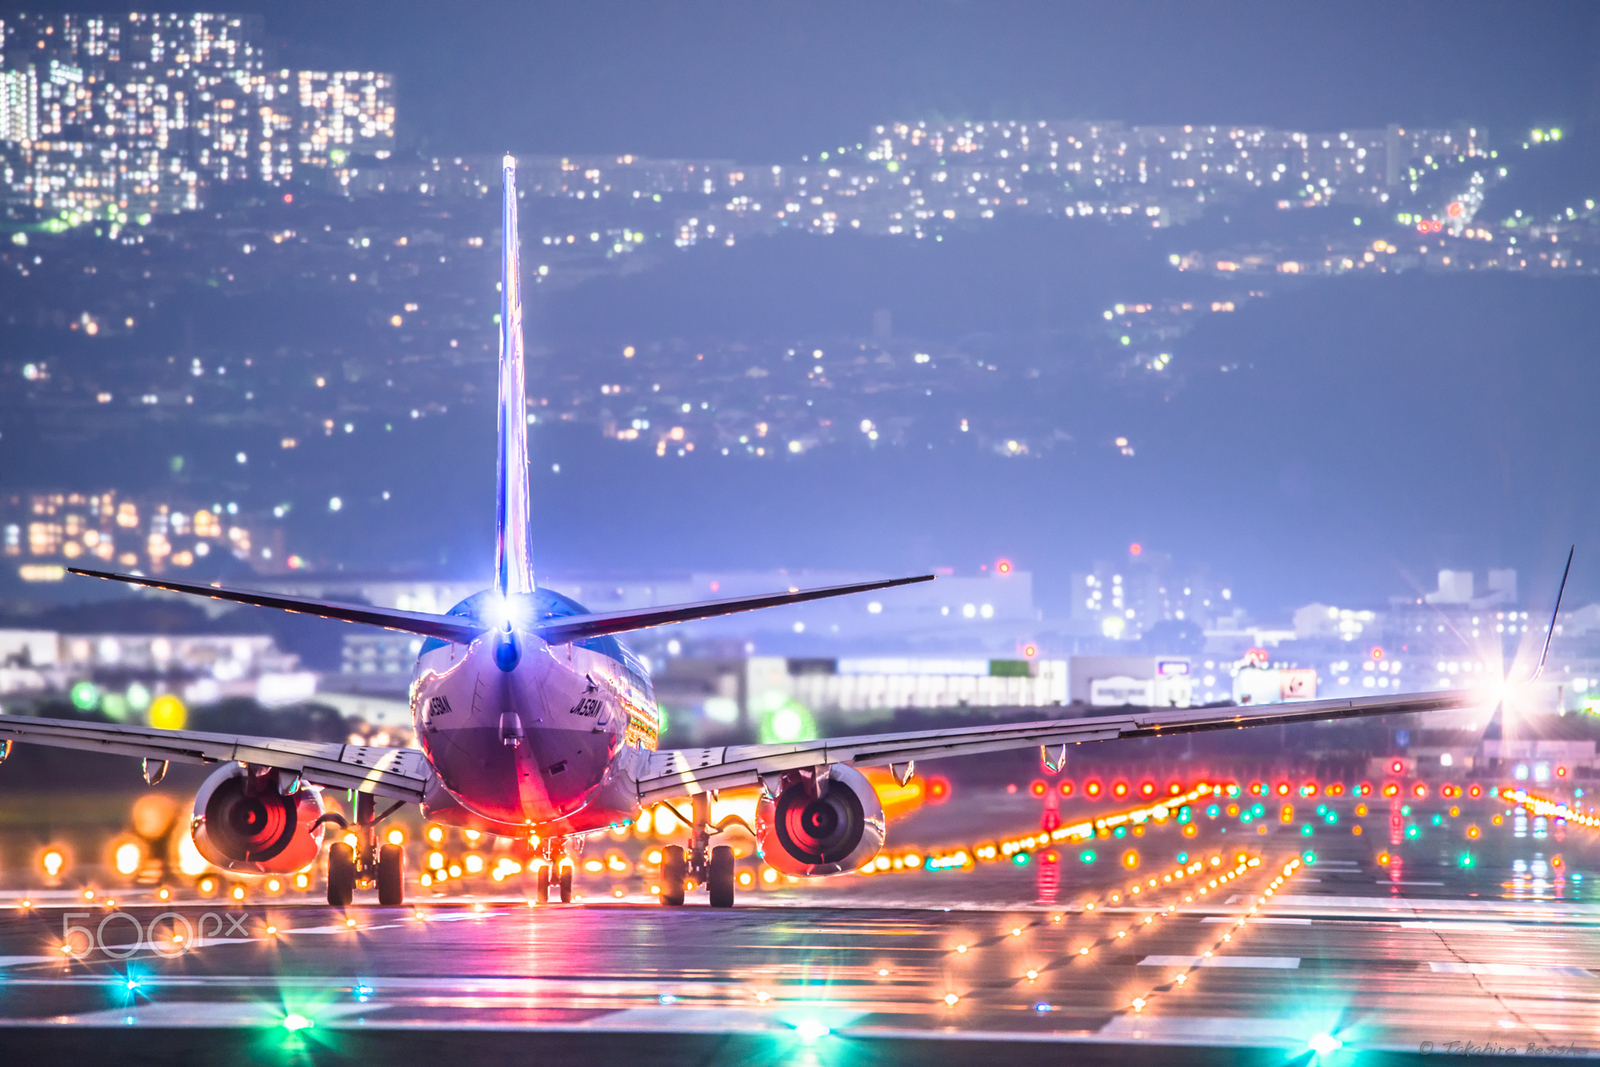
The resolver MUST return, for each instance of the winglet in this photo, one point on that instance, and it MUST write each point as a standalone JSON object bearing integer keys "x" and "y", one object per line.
{"x": 1551, "y": 633}
{"x": 513, "y": 544}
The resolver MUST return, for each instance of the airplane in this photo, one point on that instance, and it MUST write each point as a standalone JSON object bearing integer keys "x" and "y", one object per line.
{"x": 536, "y": 722}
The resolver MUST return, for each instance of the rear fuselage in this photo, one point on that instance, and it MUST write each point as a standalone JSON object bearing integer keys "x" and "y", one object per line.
{"x": 553, "y": 746}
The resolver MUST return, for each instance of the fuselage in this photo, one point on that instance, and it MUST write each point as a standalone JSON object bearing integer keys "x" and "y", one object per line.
{"x": 553, "y": 746}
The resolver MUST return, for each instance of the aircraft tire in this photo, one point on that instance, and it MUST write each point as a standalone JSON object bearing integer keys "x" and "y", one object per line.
{"x": 541, "y": 884}
{"x": 341, "y": 874}
{"x": 565, "y": 884}
{"x": 391, "y": 876}
{"x": 719, "y": 880}
{"x": 674, "y": 875}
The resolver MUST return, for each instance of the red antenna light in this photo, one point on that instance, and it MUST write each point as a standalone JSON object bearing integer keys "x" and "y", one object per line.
{"x": 1135, "y": 548}
{"x": 1029, "y": 651}
{"x": 1003, "y": 566}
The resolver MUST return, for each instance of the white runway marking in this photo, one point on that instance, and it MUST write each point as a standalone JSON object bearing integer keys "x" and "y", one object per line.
{"x": 1258, "y": 920}
{"x": 1274, "y": 963}
{"x": 1510, "y": 970}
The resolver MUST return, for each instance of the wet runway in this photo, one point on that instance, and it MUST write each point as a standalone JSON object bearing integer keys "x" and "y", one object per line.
{"x": 1279, "y": 954}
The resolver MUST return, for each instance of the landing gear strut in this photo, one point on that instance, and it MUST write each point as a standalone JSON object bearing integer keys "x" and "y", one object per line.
{"x": 366, "y": 860}
{"x": 555, "y": 871}
{"x": 709, "y": 866}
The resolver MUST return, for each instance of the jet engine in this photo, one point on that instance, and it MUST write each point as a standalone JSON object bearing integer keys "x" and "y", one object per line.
{"x": 822, "y": 825}
{"x": 256, "y": 820}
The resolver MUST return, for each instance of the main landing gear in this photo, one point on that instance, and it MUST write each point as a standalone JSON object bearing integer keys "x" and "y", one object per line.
{"x": 711, "y": 866}
{"x": 366, "y": 862}
{"x": 554, "y": 872}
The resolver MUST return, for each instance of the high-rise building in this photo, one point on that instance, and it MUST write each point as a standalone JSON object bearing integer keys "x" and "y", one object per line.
{"x": 119, "y": 116}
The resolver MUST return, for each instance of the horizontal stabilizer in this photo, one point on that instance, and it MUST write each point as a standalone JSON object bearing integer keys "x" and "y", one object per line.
{"x": 445, "y": 627}
{"x": 463, "y": 630}
{"x": 578, "y": 627}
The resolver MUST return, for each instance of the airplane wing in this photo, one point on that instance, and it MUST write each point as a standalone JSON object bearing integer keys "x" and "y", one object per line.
{"x": 464, "y": 630}
{"x": 675, "y": 772}
{"x": 400, "y": 773}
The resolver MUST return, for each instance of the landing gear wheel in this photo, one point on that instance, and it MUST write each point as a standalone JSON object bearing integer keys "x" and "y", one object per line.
{"x": 674, "y": 874}
{"x": 391, "y": 876}
{"x": 566, "y": 885}
{"x": 719, "y": 878}
{"x": 341, "y": 874}
{"x": 541, "y": 884}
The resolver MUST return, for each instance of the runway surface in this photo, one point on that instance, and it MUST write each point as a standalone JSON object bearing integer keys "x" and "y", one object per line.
{"x": 1342, "y": 955}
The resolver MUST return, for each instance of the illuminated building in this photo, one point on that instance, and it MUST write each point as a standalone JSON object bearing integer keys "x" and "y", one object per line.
{"x": 44, "y": 533}
{"x": 118, "y": 117}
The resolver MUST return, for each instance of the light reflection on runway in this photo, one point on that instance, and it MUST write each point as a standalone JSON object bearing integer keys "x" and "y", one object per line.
{"x": 1340, "y": 947}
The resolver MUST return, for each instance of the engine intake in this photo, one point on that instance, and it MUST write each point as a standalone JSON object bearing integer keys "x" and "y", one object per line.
{"x": 831, "y": 826}
{"x": 244, "y": 823}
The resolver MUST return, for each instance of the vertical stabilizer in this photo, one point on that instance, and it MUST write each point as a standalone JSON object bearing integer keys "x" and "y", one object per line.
{"x": 513, "y": 549}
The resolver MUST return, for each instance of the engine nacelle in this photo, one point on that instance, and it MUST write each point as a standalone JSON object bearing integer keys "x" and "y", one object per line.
{"x": 802, "y": 832}
{"x": 244, "y": 823}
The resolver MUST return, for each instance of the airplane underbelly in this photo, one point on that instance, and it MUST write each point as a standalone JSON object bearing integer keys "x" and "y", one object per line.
{"x": 506, "y": 745}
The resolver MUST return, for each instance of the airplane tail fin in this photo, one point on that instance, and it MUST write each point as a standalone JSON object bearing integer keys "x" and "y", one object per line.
{"x": 513, "y": 547}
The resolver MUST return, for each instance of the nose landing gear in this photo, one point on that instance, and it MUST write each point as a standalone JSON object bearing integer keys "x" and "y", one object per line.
{"x": 554, "y": 871}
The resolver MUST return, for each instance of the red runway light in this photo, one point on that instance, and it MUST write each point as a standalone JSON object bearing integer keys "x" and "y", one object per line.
{"x": 1474, "y": 791}
{"x": 1561, "y": 772}
{"x": 1257, "y": 789}
{"x": 1120, "y": 789}
{"x": 1309, "y": 789}
{"x": 1420, "y": 790}
{"x": 1174, "y": 788}
{"x": 1066, "y": 787}
{"x": 1038, "y": 788}
{"x": 1283, "y": 789}
{"x": 1147, "y": 789}
{"x": 938, "y": 789}
{"x": 1092, "y": 787}
{"x": 1397, "y": 767}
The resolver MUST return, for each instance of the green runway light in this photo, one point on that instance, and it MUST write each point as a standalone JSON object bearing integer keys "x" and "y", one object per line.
{"x": 1309, "y": 856}
{"x": 85, "y": 696}
{"x": 295, "y": 1021}
{"x": 1087, "y": 855}
{"x": 1331, "y": 817}
{"x": 1438, "y": 820}
{"x": 809, "y": 1030}
{"x": 1020, "y": 859}
{"x": 1121, "y": 831}
{"x": 1467, "y": 860}
{"x": 1307, "y": 830}
{"x": 1323, "y": 1044}
{"x": 1412, "y": 832}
